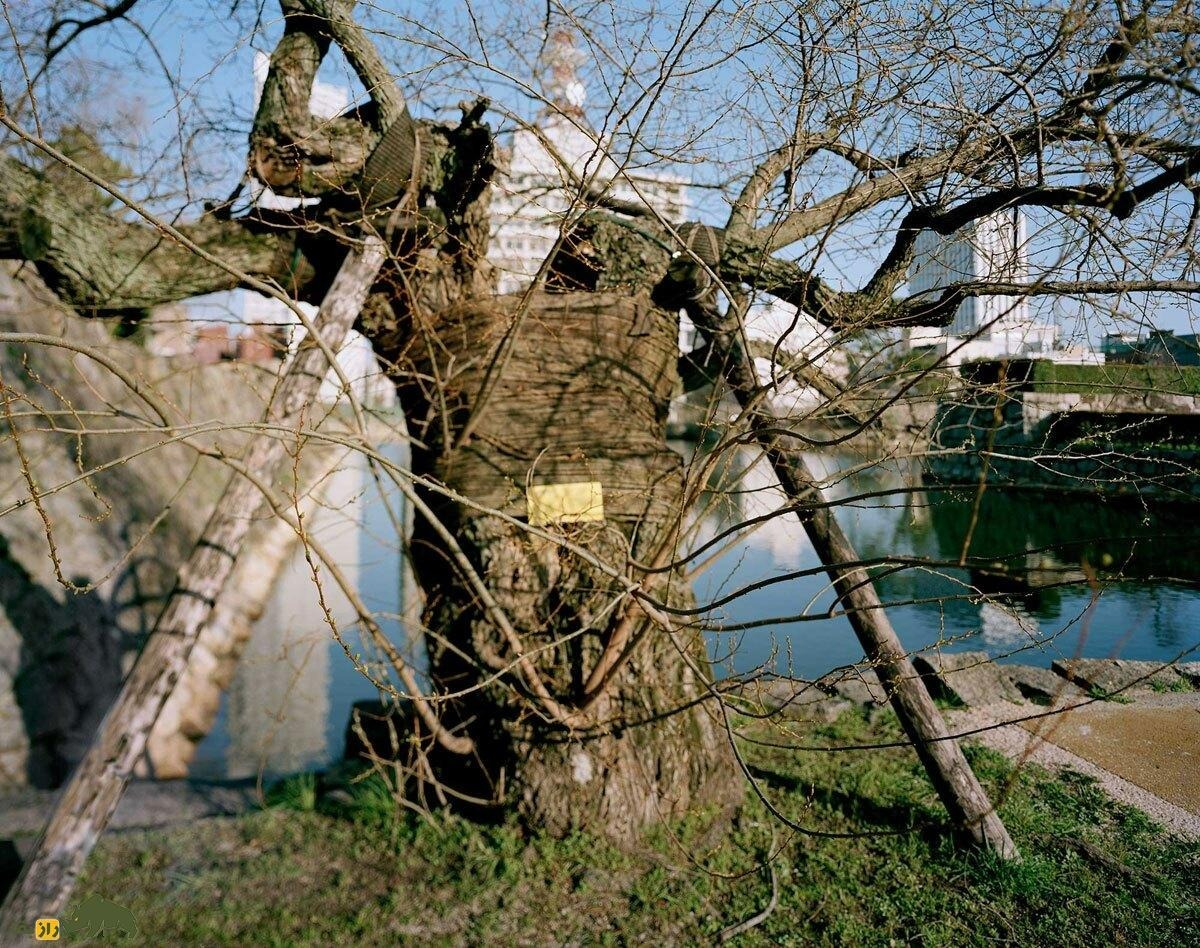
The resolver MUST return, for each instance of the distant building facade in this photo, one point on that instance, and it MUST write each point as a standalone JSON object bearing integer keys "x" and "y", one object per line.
{"x": 544, "y": 166}
{"x": 1163, "y": 347}
{"x": 1159, "y": 347}
{"x": 1123, "y": 347}
{"x": 986, "y": 326}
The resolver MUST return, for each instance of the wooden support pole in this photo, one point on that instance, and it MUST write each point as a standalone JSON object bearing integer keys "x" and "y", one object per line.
{"x": 89, "y": 799}
{"x": 955, "y": 782}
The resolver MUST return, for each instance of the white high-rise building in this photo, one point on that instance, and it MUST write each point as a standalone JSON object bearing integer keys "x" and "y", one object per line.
{"x": 546, "y": 166}
{"x": 986, "y": 326}
{"x": 991, "y": 248}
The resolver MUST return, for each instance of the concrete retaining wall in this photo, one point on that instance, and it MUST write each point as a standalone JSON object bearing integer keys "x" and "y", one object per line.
{"x": 117, "y": 536}
{"x": 1012, "y": 437}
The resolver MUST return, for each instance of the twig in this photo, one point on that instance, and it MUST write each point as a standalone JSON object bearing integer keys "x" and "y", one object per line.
{"x": 728, "y": 934}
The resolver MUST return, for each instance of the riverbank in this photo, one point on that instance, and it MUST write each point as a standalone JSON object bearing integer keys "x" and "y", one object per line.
{"x": 1120, "y": 430}
{"x": 330, "y": 863}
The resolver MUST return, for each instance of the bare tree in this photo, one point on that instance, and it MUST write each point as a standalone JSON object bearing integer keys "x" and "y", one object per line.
{"x": 568, "y": 669}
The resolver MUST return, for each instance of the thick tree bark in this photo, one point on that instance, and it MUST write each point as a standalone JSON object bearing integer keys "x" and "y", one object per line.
{"x": 499, "y": 399}
{"x": 291, "y": 150}
{"x": 91, "y": 796}
{"x": 582, "y": 396}
{"x": 101, "y": 263}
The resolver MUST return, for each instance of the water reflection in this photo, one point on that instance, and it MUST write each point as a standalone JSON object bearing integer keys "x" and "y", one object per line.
{"x": 1040, "y": 577}
{"x": 1003, "y": 625}
{"x": 288, "y": 703}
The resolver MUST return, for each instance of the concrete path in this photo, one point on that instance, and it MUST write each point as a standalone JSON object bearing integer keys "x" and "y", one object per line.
{"x": 147, "y": 803}
{"x": 1145, "y": 753}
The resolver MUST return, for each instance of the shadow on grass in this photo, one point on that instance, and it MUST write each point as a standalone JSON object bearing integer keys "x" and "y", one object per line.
{"x": 854, "y": 806}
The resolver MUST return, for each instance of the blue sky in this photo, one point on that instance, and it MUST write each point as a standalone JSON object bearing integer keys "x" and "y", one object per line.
{"x": 443, "y": 53}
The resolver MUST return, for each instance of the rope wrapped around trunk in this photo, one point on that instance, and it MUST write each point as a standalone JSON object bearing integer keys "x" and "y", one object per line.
{"x": 583, "y": 397}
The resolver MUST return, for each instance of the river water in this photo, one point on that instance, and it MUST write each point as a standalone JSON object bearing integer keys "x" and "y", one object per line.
{"x": 1044, "y": 578}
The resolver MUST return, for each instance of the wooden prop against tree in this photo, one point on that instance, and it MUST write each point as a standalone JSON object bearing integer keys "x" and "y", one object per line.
{"x": 959, "y": 789}
{"x": 91, "y": 796}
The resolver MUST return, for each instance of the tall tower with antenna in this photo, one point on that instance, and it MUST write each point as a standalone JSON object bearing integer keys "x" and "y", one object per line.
{"x": 562, "y": 58}
{"x": 544, "y": 166}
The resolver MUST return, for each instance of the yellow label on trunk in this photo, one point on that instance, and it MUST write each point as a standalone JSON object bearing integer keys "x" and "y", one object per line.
{"x": 565, "y": 503}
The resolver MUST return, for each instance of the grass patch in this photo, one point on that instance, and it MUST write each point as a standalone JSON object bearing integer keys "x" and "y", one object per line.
{"x": 298, "y": 793}
{"x": 359, "y": 871}
{"x": 1101, "y": 694}
{"x": 1049, "y": 376}
{"x": 1178, "y": 684}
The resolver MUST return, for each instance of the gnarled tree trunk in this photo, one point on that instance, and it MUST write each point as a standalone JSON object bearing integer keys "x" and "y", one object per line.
{"x": 582, "y": 395}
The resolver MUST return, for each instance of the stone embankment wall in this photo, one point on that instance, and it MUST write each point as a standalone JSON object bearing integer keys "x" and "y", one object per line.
{"x": 1012, "y": 436}
{"x": 83, "y": 573}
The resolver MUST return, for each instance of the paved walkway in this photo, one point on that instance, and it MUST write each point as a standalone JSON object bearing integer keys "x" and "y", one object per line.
{"x": 1145, "y": 753}
{"x": 146, "y": 803}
